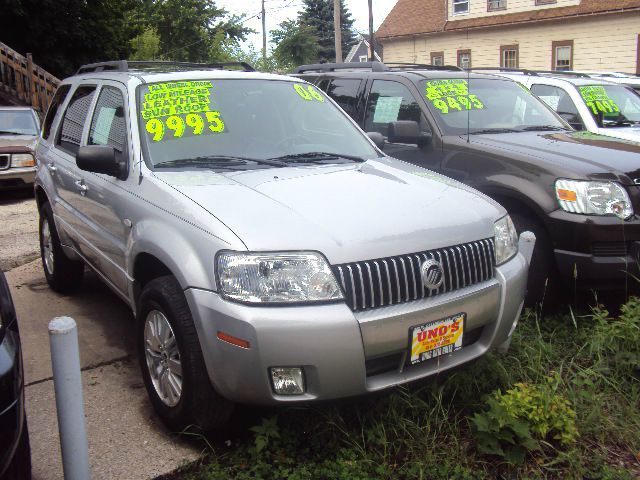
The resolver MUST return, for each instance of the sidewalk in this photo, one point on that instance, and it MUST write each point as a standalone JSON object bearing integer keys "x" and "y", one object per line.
{"x": 126, "y": 439}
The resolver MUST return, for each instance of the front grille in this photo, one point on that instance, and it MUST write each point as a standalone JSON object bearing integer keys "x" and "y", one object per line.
{"x": 610, "y": 249}
{"x": 4, "y": 162}
{"x": 392, "y": 280}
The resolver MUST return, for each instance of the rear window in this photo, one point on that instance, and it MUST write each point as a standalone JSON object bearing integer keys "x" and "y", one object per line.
{"x": 70, "y": 132}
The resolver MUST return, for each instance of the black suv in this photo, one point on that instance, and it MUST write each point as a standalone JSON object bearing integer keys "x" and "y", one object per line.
{"x": 15, "y": 458}
{"x": 577, "y": 191}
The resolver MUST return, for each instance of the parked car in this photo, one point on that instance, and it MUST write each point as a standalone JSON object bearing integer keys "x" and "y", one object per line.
{"x": 576, "y": 191}
{"x": 632, "y": 81}
{"x": 19, "y": 127}
{"x": 15, "y": 454}
{"x": 271, "y": 253}
{"x": 586, "y": 103}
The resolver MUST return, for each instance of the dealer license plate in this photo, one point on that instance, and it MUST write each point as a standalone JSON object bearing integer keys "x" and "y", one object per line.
{"x": 433, "y": 339}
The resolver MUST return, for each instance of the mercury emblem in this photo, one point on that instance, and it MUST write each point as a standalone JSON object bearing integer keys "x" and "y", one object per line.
{"x": 432, "y": 274}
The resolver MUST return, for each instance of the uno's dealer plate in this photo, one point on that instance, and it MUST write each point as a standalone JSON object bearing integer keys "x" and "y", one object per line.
{"x": 433, "y": 339}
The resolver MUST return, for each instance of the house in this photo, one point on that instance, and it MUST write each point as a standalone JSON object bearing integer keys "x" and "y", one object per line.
{"x": 535, "y": 34}
{"x": 360, "y": 51}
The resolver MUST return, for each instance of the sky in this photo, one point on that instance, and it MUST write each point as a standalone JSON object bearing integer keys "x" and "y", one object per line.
{"x": 280, "y": 10}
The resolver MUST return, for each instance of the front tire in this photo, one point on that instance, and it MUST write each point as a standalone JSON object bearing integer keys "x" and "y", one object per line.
{"x": 171, "y": 360}
{"x": 63, "y": 274}
{"x": 20, "y": 467}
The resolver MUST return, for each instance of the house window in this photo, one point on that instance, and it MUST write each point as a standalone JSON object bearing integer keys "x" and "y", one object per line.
{"x": 493, "y": 5}
{"x": 509, "y": 56}
{"x": 545, "y": 2}
{"x": 363, "y": 58}
{"x": 562, "y": 55}
{"x": 437, "y": 58}
{"x": 460, "y": 6}
{"x": 464, "y": 59}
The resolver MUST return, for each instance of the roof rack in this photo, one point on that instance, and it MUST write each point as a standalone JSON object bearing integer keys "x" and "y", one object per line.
{"x": 421, "y": 66}
{"x": 126, "y": 65}
{"x": 534, "y": 73}
{"x": 332, "y": 67}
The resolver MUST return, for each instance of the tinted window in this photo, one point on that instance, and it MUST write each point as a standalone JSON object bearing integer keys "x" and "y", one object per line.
{"x": 345, "y": 92}
{"x": 74, "y": 118}
{"x": 58, "y": 99}
{"x": 390, "y": 101}
{"x": 108, "y": 125}
{"x": 560, "y": 101}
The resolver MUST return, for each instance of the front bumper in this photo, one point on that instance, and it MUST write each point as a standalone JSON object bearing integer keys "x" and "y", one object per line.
{"x": 345, "y": 353}
{"x": 593, "y": 251}
{"x": 17, "y": 177}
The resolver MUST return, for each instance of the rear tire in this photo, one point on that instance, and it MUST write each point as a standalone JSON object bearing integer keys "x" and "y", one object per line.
{"x": 171, "y": 360}
{"x": 542, "y": 283}
{"x": 63, "y": 274}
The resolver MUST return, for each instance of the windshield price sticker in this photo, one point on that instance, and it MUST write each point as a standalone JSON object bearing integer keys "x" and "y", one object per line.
{"x": 597, "y": 99}
{"x": 309, "y": 93}
{"x": 181, "y": 107}
{"x": 437, "y": 338}
{"x": 451, "y": 95}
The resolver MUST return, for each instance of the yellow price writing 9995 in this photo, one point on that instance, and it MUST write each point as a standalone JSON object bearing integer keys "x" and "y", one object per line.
{"x": 178, "y": 125}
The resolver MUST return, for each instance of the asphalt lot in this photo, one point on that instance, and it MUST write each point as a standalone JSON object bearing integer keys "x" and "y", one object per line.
{"x": 126, "y": 439}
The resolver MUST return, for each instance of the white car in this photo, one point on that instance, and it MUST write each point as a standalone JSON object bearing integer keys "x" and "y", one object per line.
{"x": 616, "y": 77}
{"x": 586, "y": 103}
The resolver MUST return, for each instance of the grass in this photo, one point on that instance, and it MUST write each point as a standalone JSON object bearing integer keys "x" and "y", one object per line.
{"x": 427, "y": 431}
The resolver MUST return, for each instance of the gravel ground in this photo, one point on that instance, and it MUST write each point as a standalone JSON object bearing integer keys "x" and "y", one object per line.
{"x": 18, "y": 229}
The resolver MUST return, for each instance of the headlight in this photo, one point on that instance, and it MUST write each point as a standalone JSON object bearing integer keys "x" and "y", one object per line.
{"x": 22, "y": 160}
{"x": 506, "y": 239}
{"x": 276, "y": 277}
{"x": 593, "y": 198}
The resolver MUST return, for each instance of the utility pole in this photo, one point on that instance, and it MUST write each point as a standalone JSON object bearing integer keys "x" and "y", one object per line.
{"x": 264, "y": 36}
{"x": 338, "y": 30}
{"x": 372, "y": 56}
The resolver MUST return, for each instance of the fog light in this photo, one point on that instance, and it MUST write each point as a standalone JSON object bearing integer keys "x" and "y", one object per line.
{"x": 287, "y": 380}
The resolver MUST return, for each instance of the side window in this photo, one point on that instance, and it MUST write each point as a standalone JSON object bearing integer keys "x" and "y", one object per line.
{"x": 560, "y": 101}
{"x": 108, "y": 125}
{"x": 388, "y": 102}
{"x": 345, "y": 92}
{"x": 70, "y": 131}
{"x": 58, "y": 99}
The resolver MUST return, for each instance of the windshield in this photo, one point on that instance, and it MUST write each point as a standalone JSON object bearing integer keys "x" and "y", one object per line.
{"x": 239, "y": 122}
{"x": 479, "y": 105}
{"x": 17, "y": 122}
{"x": 612, "y": 105}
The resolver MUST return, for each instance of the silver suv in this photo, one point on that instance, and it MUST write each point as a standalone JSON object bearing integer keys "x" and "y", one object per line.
{"x": 270, "y": 252}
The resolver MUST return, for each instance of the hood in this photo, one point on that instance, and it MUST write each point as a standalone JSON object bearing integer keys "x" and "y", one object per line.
{"x": 572, "y": 154}
{"x": 350, "y": 212}
{"x": 8, "y": 141}
{"x": 631, "y": 134}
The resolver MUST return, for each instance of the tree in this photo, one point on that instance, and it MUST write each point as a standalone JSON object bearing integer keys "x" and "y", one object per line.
{"x": 318, "y": 14}
{"x": 145, "y": 46}
{"x": 296, "y": 44}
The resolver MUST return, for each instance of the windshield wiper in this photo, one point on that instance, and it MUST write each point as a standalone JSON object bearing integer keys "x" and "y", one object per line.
{"x": 10, "y": 132}
{"x": 217, "y": 161}
{"x": 541, "y": 128}
{"x": 315, "y": 157}
{"x": 495, "y": 130}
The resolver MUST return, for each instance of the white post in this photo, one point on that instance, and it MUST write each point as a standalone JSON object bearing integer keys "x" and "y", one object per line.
{"x": 65, "y": 360}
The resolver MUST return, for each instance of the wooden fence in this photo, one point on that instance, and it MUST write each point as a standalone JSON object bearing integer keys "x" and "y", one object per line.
{"x": 24, "y": 83}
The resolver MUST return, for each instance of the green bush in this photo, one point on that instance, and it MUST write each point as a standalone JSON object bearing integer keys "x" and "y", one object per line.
{"x": 518, "y": 421}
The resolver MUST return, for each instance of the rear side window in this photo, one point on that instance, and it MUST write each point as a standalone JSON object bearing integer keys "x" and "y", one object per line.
{"x": 108, "y": 125}
{"x": 388, "y": 102}
{"x": 58, "y": 99}
{"x": 70, "y": 132}
{"x": 560, "y": 101}
{"x": 345, "y": 92}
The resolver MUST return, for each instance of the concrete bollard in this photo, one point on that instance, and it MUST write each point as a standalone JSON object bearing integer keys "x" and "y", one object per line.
{"x": 65, "y": 360}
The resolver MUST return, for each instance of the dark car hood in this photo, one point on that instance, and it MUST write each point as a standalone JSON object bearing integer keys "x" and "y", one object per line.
{"x": 583, "y": 153}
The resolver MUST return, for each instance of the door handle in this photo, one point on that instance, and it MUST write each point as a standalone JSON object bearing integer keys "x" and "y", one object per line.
{"x": 82, "y": 187}
{"x": 52, "y": 168}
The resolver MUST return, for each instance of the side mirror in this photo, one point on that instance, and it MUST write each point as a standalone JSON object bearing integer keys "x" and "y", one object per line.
{"x": 408, "y": 131}
{"x": 101, "y": 159}
{"x": 572, "y": 120}
{"x": 377, "y": 138}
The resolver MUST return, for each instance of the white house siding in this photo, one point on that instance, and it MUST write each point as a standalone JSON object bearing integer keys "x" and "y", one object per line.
{"x": 478, "y": 8}
{"x": 606, "y": 42}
